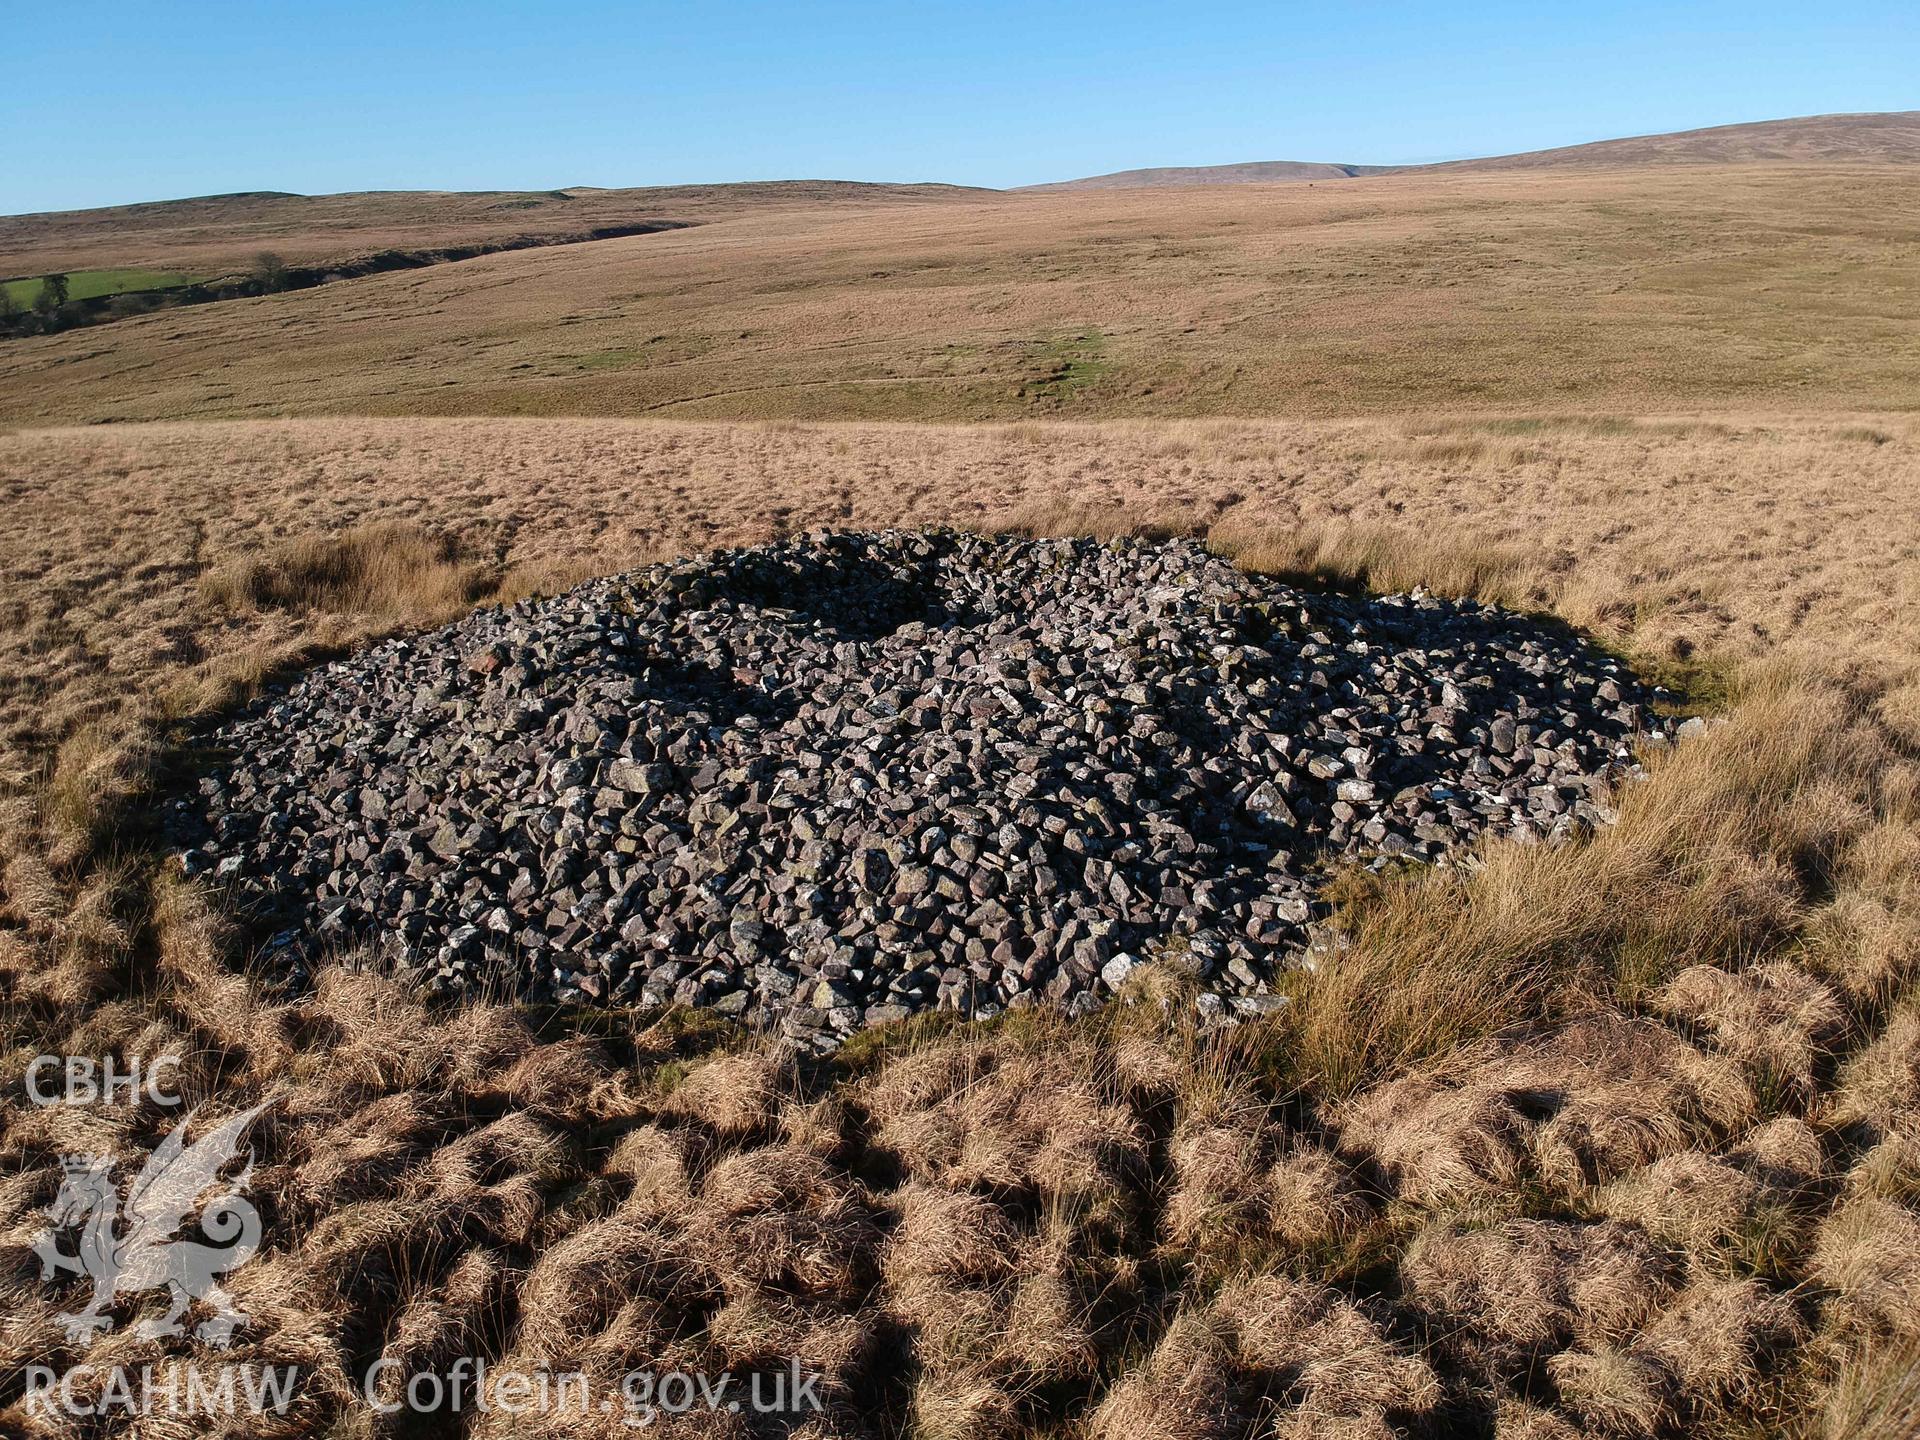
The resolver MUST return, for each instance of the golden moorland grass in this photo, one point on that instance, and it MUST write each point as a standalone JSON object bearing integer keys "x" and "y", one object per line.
{"x": 1779, "y": 288}
{"x": 1612, "y": 1139}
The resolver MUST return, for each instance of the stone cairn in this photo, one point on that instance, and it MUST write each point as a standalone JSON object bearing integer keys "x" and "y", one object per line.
{"x": 832, "y": 781}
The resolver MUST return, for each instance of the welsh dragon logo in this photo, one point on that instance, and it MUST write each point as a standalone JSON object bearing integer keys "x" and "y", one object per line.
{"x": 128, "y": 1248}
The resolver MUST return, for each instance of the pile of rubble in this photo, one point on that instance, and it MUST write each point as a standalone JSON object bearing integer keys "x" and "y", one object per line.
{"x": 832, "y": 781}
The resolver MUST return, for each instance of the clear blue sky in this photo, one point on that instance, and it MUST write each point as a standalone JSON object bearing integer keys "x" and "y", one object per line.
{"x": 112, "y": 101}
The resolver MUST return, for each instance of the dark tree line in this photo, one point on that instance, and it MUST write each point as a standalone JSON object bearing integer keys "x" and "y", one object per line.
{"x": 52, "y": 309}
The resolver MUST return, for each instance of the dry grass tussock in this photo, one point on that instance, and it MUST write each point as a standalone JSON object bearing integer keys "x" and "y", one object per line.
{"x": 1276, "y": 1351}
{"x": 1614, "y": 1138}
{"x": 393, "y": 574}
{"x": 1714, "y": 860}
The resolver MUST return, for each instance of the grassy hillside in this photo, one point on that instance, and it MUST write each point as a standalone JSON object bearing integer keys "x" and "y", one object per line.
{"x": 218, "y": 235}
{"x": 1874, "y": 138}
{"x": 1868, "y": 139}
{"x": 1253, "y": 172}
{"x": 1624, "y": 291}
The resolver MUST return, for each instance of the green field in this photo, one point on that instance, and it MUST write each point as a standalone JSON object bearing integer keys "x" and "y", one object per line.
{"x": 91, "y": 284}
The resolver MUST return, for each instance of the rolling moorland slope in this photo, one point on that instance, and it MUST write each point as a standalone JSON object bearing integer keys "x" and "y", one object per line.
{"x": 1251, "y": 172}
{"x": 1872, "y": 138}
{"x": 213, "y": 236}
{"x": 1634, "y": 290}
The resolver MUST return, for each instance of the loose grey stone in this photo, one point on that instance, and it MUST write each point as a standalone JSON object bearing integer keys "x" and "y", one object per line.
{"x": 842, "y": 778}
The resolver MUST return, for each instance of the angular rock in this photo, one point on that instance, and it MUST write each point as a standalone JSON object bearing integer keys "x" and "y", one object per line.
{"x": 838, "y": 779}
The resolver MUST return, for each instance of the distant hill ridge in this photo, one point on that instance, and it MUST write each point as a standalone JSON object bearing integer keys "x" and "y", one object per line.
{"x": 1252, "y": 172}
{"x": 1871, "y": 138}
{"x": 210, "y": 236}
